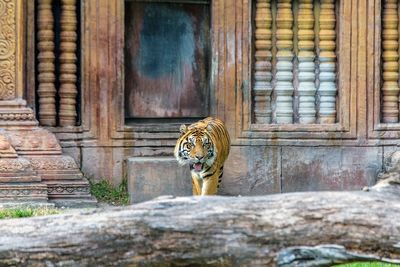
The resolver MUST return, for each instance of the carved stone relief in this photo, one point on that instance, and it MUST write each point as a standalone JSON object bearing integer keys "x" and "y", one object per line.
{"x": 50, "y": 163}
{"x": 34, "y": 141}
{"x": 6, "y": 150}
{"x": 7, "y": 49}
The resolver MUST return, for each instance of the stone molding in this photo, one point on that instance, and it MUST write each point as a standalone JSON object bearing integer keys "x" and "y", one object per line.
{"x": 34, "y": 140}
{"x": 23, "y": 192}
{"x": 53, "y": 163}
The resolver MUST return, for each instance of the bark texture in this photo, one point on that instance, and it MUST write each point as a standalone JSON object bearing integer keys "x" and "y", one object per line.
{"x": 297, "y": 229}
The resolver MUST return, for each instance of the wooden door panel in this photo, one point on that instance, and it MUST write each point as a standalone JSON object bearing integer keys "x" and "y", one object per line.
{"x": 166, "y": 60}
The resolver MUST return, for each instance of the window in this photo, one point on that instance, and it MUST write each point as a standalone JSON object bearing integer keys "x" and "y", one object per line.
{"x": 294, "y": 62}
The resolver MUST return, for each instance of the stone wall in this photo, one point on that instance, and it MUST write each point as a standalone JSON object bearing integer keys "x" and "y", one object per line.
{"x": 268, "y": 156}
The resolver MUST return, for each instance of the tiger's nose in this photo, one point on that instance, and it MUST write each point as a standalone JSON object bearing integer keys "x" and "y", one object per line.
{"x": 199, "y": 157}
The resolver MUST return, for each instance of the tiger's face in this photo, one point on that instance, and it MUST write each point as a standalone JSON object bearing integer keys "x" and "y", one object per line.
{"x": 195, "y": 148}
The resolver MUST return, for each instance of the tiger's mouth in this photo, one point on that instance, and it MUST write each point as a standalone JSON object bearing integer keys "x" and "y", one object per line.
{"x": 198, "y": 166}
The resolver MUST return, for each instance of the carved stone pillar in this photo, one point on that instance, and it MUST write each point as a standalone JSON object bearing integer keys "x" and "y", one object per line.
{"x": 306, "y": 56}
{"x": 262, "y": 76}
{"x": 284, "y": 66}
{"x": 327, "y": 57}
{"x": 68, "y": 91}
{"x": 390, "y": 56}
{"x": 31, "y": 160}
{"x": 46, "y": 69}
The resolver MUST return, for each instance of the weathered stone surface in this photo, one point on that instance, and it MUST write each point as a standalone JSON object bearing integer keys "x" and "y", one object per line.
{"x": 119, "y": 156}
{"x": 109, "y": 162}
{"x": 329, "y": 168}
{"x": 252, "y": 170}
{"x": 75, "y": 153}
{"x": 97, "y": 162}
{"x": 150, "y": 177}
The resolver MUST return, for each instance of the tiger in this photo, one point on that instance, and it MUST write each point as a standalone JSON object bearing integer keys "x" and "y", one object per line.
{"x": 205, "y": 146}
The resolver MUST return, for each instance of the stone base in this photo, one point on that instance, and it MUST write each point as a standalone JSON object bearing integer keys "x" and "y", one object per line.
{"x": 36, "y": 192}
{"x": 21, "y": 138}
{"x": 18, "y": 181}
{"x": 25, "y": 204}
{"x": 150, "y": 177}
{"x": 64, "y": 180}
{"x": 68, "y": 189}
{"x": 32, "y": 168}
{"x": 75, "y": 203}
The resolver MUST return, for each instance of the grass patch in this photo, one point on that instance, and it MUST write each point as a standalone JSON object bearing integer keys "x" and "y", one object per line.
{"x": 8, "y": 213}
{"x": 367, "y": 264}
{"x": 105, "y": 191}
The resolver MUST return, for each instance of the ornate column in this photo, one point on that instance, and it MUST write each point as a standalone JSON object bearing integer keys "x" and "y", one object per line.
{"x": 262, "y": 76}
{"x": 327, "y": 68}
{"x": 306, "y": 56}
{"x": 46, "y": 76}
{"x": 32, "y": 166}
{"x": 18, "y": 180}
{"x": 68, "y": 91}
{"x": 284, "y": 66}
{"x": 390, "y": 56}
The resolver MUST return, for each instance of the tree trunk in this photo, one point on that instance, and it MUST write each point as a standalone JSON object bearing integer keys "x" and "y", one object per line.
{"x": 309, "y": 229}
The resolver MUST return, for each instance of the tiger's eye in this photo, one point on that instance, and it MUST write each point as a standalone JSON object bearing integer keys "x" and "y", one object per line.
{"x": 188, "y": 146}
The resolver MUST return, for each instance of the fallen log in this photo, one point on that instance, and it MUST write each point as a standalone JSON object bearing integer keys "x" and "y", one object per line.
{"x": 296, "y": 229}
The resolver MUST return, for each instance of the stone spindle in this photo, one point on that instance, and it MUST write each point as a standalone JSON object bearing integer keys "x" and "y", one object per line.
{"x": 327, "y": 57}
{"x": 262, "y": 76}
{"x": 68, "y": 89}
{"x": 306, "y": 67}
{"x": 390, "y": 44}
{"x": 284, "y": 66}
{"x": 46, "y": 68}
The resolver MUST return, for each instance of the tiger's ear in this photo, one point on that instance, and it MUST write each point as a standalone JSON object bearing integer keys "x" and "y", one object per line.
{"x": 183, "y": 129}
{"x": 209, "y": 128}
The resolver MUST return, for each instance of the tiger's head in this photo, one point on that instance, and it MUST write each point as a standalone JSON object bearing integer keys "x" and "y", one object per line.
{"x": 196, "y": 148}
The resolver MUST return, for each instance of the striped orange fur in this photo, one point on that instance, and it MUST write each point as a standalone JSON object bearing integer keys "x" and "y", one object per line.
{"x": 205, "y": 146}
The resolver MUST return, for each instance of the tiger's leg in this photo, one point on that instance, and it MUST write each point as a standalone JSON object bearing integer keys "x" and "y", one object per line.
{"x": 211, "y": 184}
{"x": 196, "y": 185}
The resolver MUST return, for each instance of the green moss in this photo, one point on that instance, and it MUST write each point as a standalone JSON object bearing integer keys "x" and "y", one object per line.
{"x": 105, "y": 191}
{"x": 8, "y": 213}
{"x": 367, "y": 264}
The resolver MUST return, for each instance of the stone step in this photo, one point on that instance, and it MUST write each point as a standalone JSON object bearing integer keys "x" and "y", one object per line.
{"x": 150, "y": 177}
